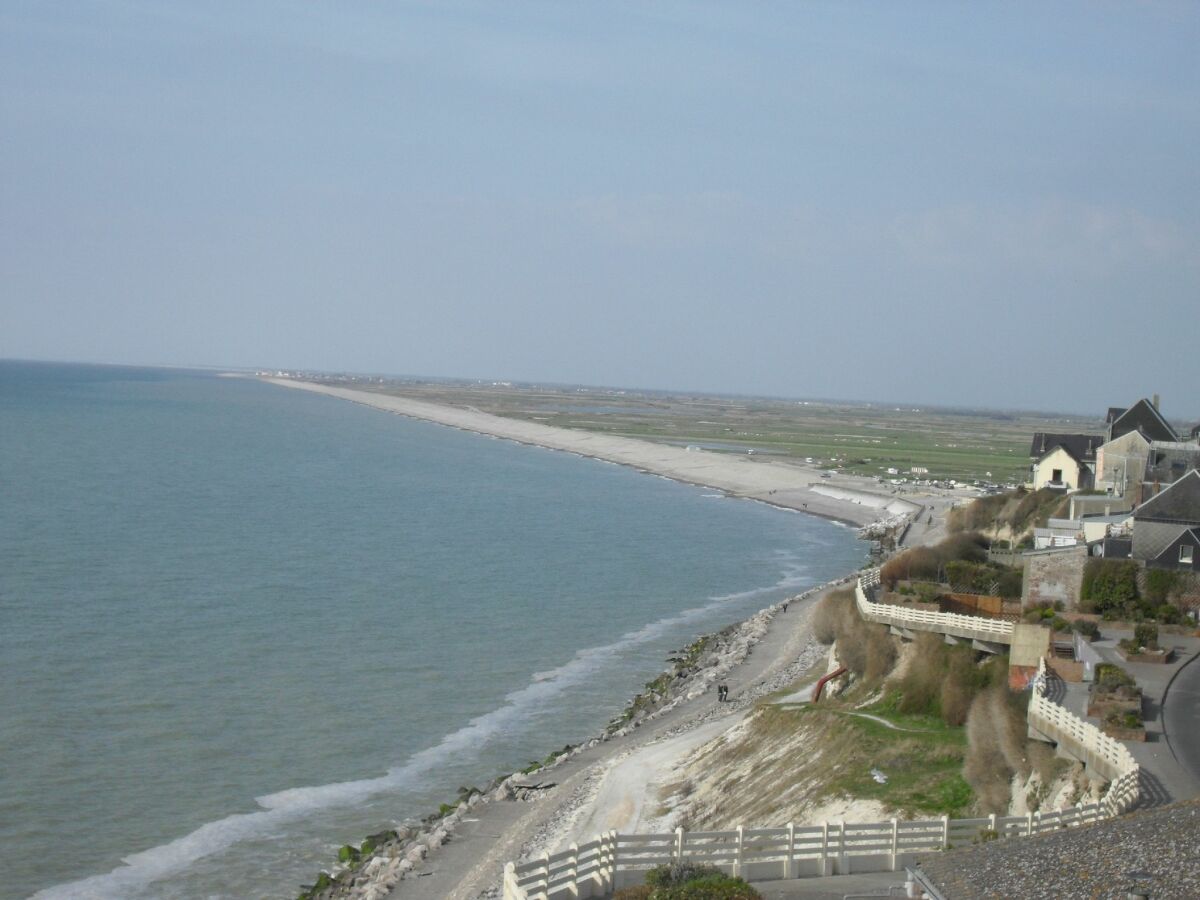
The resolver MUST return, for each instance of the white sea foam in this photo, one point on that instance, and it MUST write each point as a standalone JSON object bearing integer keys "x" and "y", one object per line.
{"x": 140, "y": 870}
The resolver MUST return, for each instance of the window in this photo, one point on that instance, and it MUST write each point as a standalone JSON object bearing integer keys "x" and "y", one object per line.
{"x": 1056, "y": 475}
{"x": 1185, "y": 554}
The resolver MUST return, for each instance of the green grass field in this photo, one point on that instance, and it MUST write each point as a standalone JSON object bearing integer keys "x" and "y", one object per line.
{"x": 864, "y": 439}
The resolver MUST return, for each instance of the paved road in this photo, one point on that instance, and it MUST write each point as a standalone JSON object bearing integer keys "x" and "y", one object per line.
{"x": 1181, "y": 717}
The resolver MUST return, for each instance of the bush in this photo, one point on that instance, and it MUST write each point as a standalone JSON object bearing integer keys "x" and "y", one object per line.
{"x": 710, "y": 887}
{"x": 1124, "y": 718}
{"x": 828, "y": 614}
{"x": 1087, "y": 628}
{"x": 1168, "y": 614}
{"x": 678, "y": 873}
{"x": 1109, "y": 678}
{"x": 691, "y": 881}
{"x": 1058, "y": 623}
{"x": 1109, "y": 585}
{"x": 1160, "y": 584}
{"x": 1146, "y": 635}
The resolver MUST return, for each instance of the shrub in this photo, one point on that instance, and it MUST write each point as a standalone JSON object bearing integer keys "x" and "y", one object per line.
{"x": 678, "y": 873}
{"x": 1146, "y": 635}
{"x": 1124, "y": 718}
{"x": 1087, "y": 628}
{"x": 709, "y": 887}
{"x": 1168, "y": 614}
{"x": 1109, "y": 584}
{"x": 692, "y": 881}
{"x": 1160, "y": 584}
{"x": 640, "y": 892}
{"x": 825, "y": 617}
{"x": 1110, "y": 677}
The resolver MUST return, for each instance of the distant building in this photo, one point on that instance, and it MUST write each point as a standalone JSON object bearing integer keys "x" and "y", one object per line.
{"x": 1064, "y": 461}
{"x": 1144, "y": 417}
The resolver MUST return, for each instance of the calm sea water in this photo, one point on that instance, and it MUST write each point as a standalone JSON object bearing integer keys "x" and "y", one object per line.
{"x": 241, "y": 625}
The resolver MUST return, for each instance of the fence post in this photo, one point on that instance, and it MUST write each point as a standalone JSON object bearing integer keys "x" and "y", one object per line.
{"x": 510, "y": 882}
{"x": 945, "y": 832}
{"x": 789, "y": 867}
{"x": 895, "y": 842}
{"x": 824, "y": 848}
{"x": 615, "y": 867}
{"x": 544, "y": 887}
{"x": 1028, "y": 824}
{"x": 843, "y": 859}
{"x": 679, "y": 844}
{"x": 741, "y": 849}
{"x": 573, "y": 869}
{"x": 992, "y": 824}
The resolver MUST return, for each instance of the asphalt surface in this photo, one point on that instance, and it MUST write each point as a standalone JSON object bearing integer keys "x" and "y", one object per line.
{"x": 1181, "y": 717}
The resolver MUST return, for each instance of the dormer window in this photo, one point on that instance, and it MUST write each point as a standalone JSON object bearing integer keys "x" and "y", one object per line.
{"x": 1186, "y": 554}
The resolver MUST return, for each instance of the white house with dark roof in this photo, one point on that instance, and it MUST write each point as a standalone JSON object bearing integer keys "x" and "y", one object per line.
{"x": 1064, "y": 461}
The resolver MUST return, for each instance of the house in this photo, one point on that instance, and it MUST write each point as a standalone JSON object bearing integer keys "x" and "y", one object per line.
{"x": 1167, "y": 462}
{"x": 1144, "y": 417}
{"x": 1166, "y": 528}
{"x": 1064, "y": 461}
{"x": 1121, "y": 463}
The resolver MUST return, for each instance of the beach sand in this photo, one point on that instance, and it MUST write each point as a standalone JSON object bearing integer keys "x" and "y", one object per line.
{"x": 853, "y": 500}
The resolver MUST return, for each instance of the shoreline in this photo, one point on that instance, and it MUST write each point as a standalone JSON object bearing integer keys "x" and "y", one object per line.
{"x": 460, "y": 853}
{"x": 846, "y": 499}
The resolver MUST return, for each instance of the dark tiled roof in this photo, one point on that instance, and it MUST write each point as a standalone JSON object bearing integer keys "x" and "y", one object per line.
{"x": 1114, "y": 413}
{"x": 1170, "y": 553}
{"x": 1100, "y": 860}
{"x": 1178, "y": 502}
{"x": 1143, "y": 417}
{"x": 1081, "y": 446}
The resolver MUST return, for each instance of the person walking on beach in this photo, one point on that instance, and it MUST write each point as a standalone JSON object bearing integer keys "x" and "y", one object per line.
{"x": 722, "y": 693}
{"x": 785, "y": 603}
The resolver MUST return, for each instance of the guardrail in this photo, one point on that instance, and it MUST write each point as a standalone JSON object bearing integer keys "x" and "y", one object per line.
{"x": 954, "y": 624}
{"x": 611, "y": 861}
{"x": 1104, "y": 755}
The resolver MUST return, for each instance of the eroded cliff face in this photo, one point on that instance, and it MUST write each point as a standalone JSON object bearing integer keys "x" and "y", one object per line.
{"x": 849, "y": 759}
{"x": 772, "y": 768}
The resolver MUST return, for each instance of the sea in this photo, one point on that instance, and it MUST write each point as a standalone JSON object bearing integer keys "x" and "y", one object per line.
{"x": 242, "y": 625}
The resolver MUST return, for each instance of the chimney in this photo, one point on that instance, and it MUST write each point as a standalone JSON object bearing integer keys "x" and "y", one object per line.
{"x": 1043, "y": 442}
{"x": 1156, "y": 401}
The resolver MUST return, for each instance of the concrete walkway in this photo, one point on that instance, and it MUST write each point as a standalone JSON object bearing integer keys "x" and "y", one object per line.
{"x": 1164, "y": 779}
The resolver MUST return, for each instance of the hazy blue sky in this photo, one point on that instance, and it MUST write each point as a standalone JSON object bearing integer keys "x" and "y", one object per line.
{"x": 942, "y": 203}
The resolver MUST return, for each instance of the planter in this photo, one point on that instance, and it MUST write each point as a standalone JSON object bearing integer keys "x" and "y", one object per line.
{"x": 1153, "y": 657}
{"x": 1125, "y": 734}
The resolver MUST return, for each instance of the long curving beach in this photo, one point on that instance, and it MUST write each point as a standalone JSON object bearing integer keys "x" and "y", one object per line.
{"x": 612, "y": 781}
{"x": 788, "y": 485}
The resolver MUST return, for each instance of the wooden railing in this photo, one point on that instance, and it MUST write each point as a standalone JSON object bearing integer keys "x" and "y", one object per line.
{"x": 611, "y": 861}
{"x": 972, "y": 627}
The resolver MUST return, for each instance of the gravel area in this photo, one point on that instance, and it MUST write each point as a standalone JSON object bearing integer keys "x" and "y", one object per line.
{"x": 1155, "y": 853}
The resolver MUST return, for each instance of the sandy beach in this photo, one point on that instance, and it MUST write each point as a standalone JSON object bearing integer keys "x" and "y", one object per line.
{"x": 853, "y": 500}
{"x": 614, "y": 782}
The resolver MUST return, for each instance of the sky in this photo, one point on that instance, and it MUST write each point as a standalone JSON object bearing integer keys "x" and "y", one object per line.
{"x": 974, "y": 204}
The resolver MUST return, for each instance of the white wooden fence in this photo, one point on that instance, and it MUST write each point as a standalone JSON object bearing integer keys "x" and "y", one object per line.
{"x": 611, "y": 861}
{"x": 972, "y": 627}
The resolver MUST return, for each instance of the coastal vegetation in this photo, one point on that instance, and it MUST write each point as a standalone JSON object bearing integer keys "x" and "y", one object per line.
{"x": 1014, "y": 513}
{"x": 689, "y": 881}
{"x": 858, "y": 438}
{"x": 955, "y": 736}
